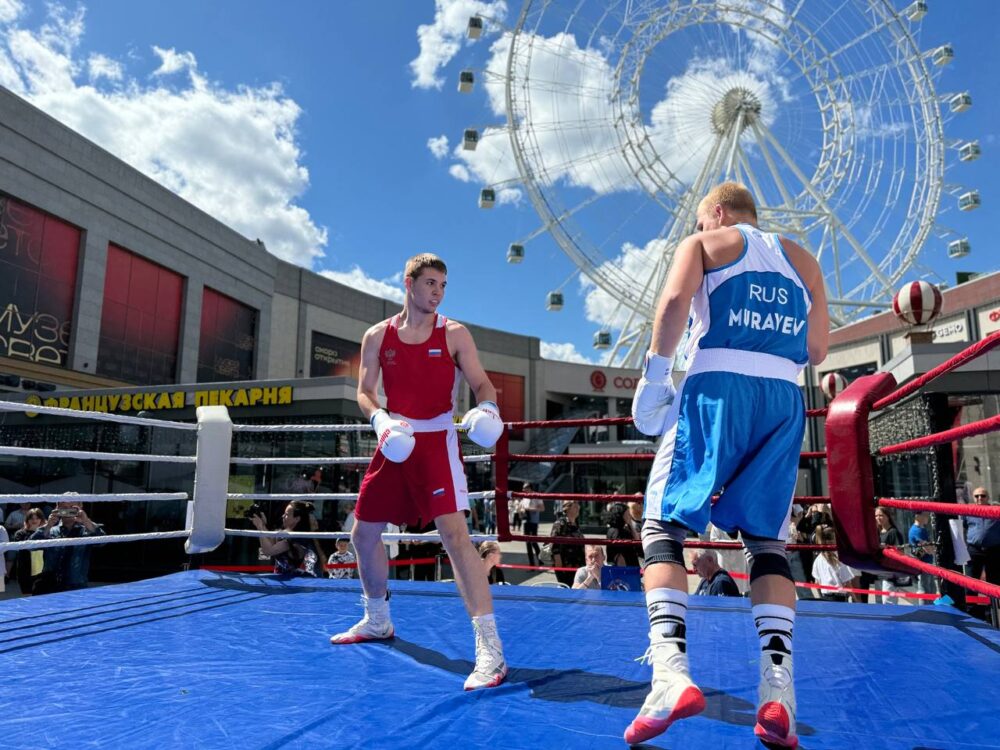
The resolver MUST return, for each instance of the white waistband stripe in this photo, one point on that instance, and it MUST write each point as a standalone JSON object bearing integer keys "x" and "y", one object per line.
{"x": 740, "y": 362}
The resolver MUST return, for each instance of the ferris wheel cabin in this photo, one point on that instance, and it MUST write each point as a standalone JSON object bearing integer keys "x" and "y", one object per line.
{"x": 959, "y": 248}
{"x": 470, "y": 139}
{"x": 960, "y": 102}
{"x": 915, "y": 11}
{"x": 602, "y": 340}
{"x": 475, "y": 28}
{"x": 487, "y": 198}
{"x": 554, "y": 301}
{"x": 943, "y": 55}
{"x": 466, "y": 81}
{"x": 515, "y": 253}
{"x": 969, "y": 151}
{"x": 969, "y": 201}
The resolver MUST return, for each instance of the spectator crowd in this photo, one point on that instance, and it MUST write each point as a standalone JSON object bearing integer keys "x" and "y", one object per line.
{"x": 576, "y": 565}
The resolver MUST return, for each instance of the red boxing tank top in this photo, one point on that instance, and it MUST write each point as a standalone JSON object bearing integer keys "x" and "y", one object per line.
{"x": 419, "y": 379}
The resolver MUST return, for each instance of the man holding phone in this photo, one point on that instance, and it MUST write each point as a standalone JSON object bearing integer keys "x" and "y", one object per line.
{"x": 66, "y": 568}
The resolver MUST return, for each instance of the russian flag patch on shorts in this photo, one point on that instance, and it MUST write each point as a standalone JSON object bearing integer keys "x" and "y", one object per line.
{"x": 439, "y": 491}
{"x": 434, "y": 353}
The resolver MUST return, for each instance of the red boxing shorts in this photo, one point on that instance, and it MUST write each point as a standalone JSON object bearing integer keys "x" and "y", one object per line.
{"x": 430, "y": 483}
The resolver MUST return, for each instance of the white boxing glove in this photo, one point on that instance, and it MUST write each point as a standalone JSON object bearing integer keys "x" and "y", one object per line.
{"x": 395, "y": 437}
{"x": 483, "y": 424}
{"x": 653, "y": 395}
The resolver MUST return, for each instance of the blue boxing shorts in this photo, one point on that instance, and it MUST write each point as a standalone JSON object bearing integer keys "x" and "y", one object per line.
{"x": 734, "y": 434}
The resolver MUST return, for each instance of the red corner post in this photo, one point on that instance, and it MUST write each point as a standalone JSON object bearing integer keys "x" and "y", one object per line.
{"x": 501, "y": 464}
{"x": 849, "y": 470}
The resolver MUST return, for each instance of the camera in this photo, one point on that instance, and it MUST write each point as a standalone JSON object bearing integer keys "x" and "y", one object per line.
{"x": 252, "y": 511}
{"x": 67, "y": 512}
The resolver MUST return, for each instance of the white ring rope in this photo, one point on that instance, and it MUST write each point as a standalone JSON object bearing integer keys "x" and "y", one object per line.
{"x": 302, "y": 428}
{"x": 479, "y": 458}
{"x": 431, "y": 537}
{"x": 312, "y": 460}
{"x": 328, "y": 496}
{"x": 206, "y": 513}
{"x": 308, "y": 460}
{"x": 296, "y": 496}
{"x": 13, "y": 450}
{"x": 81, "y": 541}
{"x": 104, "y": 416}
{"x": 72, "y": 497}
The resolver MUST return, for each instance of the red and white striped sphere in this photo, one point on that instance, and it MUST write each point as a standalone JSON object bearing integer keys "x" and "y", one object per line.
{"x": 832, "y": 383}
{"x": 917, "y": 303}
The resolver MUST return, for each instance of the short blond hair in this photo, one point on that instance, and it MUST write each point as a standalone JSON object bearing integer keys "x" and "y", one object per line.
{"x": 416, "y": 265}
{"x": 732, "y": 195}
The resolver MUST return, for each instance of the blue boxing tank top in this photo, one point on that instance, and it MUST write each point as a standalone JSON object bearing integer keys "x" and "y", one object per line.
{"x": 750, "y": 316}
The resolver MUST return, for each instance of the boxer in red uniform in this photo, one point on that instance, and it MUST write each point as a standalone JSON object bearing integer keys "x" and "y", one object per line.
{"x": 417, "y": 473}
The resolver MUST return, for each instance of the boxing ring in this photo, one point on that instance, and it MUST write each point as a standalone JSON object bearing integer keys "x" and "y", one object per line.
{"x": 209, "y": 659}
{"x": 221, "y": 660}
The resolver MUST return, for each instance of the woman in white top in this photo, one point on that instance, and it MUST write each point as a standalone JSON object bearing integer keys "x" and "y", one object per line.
{"x": 828, "y": 570}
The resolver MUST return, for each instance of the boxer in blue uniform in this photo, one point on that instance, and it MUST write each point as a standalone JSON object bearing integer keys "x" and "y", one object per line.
{"x": 754, "y": 311}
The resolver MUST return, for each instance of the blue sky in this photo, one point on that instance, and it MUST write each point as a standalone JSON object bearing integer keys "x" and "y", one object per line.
{"x": 307, "y": 124}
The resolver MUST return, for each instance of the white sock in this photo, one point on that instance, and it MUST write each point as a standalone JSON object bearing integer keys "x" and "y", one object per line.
{"x": 379, "y": 606}
{"x": 667, "y": 609}
{"x": 774, "y": 628}
{"x": 487, "y": 626}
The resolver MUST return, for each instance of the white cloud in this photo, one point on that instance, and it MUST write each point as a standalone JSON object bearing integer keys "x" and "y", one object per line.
{"x": 574, "y": 140}
{"x": 680, "y": 126}
{"x": 356, "y": 278}
{"x": 101, "y": 66}
{"x": 10, "y": 10}
{"x": 569, "y": 113}
{"x": 868, "y": 122}
{"x": 564, "y": 353}
{"x": 508, "y": 195}
{"x": 232, "y": 153}
{"x": 573, "y": 135}
{"x": 459, "y": 172}
{"x": 172, "y": 61}
{"x": 638, "y": 263}
{"x": 568, "y": 106}
{"x": 438, "y": 146}
{"x": 441, "y": 40}
{"x": 38, "y": 64}
{"x": 491, "y": 163}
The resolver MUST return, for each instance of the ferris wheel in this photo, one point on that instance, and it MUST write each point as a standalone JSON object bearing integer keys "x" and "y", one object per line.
{"x": 621, "y": 115}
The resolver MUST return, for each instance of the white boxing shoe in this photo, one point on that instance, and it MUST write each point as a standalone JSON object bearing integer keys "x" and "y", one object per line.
{"x": 776, "y": 706}
{"x": 673, "y": 695}
{"x": 376, "y": 625}
{"x": 491, "y": 668}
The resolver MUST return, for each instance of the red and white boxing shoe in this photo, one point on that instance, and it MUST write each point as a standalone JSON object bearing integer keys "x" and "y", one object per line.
{"x": 673, "y": 695}
{"x": 376, "y": 625}
{"x": 491, "y": 668}
{"x": 776, "y": 706}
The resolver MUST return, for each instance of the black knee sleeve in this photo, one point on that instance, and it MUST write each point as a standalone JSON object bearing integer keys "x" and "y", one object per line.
{"x": 770, "y": 564}
{"x": 663, "y": 551}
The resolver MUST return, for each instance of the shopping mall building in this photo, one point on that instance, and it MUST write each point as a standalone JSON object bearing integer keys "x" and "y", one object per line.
{"x": 119, "y": 296}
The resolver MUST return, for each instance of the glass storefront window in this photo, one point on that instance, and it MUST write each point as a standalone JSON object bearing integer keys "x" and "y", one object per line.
{"x": 38, "y": 268}
{"x": 140, "y": 320}
{"x": 589, "y": 407}
{"x": 228, "y": 339}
